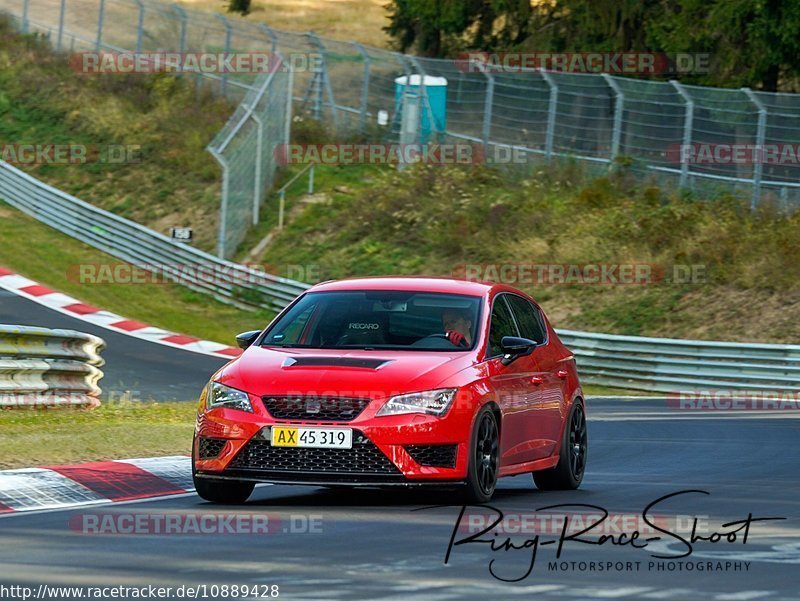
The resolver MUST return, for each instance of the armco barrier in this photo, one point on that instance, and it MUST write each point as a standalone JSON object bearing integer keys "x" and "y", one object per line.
{"x": 671, "y": 365}
{"x": 655, "y": 364}
{"x": 42, "y": 367}
{"x": 134, "y": 243}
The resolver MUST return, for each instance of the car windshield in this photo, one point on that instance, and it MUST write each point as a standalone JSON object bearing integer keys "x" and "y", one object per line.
{"x": 402, "y": 320}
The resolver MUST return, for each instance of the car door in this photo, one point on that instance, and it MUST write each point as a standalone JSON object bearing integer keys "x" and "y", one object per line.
{"x": 515, "y": 389}
{"x": 546, "y": 420}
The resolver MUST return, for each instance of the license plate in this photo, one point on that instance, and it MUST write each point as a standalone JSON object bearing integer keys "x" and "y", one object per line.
{"x": 314, "y": 438}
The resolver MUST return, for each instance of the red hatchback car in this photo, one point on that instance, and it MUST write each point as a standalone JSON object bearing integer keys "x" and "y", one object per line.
{"x": 395, "y": 381}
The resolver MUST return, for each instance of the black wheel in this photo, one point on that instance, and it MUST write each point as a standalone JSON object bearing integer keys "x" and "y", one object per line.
{"x": 568, "y": 473}
{"x": 484, "y": 453}
{"x": 229, "y": 492}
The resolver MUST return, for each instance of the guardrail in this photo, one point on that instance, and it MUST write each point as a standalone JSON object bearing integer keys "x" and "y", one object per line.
{"x": 673, "y": 365}
{"x": 134, "y": 243}
{"x": 656, "y": 364}
{"x": 42, "y": 367}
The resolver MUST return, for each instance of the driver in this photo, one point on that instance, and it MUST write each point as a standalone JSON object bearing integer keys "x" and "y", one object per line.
{"x": 458, "y": 326}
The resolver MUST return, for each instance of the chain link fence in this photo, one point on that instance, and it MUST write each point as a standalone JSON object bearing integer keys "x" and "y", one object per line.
{"x": 594, "y": 118}
{"x": 246, "y": 148}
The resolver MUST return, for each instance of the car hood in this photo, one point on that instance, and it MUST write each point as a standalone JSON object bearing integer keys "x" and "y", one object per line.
{"x": 373, "y": 374}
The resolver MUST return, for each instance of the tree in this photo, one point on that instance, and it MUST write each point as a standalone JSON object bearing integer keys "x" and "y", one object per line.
{"x": 592, "y": 25}
{"x": 440, "y": 27}
{"x": 752, "y": 42}
{"x": 239, "y": 6}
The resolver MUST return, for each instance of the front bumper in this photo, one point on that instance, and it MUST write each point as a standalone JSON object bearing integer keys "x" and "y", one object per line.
{"x": 406, "y": 450}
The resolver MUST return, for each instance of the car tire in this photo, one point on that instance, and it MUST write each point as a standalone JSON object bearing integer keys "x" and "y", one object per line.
{"x": 484, "y": 455}
{"x": 229, "y": 492}
{"x": 568, "y": 472}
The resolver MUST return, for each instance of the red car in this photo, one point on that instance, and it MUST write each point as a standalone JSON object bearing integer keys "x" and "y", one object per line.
{"x": 395, "y": 382}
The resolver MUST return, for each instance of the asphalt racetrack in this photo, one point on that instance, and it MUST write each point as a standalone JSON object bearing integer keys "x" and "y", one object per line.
{"x": 316, "y": 543}
{"x": 339, "y": 544}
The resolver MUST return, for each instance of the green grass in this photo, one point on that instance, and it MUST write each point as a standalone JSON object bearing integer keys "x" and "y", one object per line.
{"x": 33, "y": 437}
{"x": 370, "y": 220}
{"x": 430, "y": 220}
{"x": 115, "y": 430}
{"x": 55, "y": 260}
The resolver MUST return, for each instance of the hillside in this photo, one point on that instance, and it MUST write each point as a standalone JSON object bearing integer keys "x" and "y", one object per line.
{"x": 171, "y": 179}
{"x": 526, "y": 229}
{"x": 368, "y": 220}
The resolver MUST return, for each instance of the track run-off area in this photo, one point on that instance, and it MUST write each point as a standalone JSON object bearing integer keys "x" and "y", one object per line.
{"x": 319, "y": 543}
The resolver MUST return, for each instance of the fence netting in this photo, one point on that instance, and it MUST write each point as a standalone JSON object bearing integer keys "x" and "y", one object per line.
{"x": 662, "y": 128}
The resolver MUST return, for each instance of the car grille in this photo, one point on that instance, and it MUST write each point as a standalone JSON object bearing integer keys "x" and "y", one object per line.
{"x": 325, "y": 409}
{"x": 210, "y": 448}
{"x": 364, "y": 459}
{"x": 433, "y": 455}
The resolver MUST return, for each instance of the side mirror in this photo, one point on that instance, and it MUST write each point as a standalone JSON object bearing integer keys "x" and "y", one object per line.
{"x": 245, "y": 339}
{"x": 513, "y": 348}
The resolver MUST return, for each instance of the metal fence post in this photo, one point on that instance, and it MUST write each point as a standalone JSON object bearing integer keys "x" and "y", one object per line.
{"x": 100, "y": 15}
{"x": 182, "y": 35}
{"x": 619, "y": 107}
{"x": 323, "y": 82}
{"x": 424, "y": 97}
{"x": 223, "y": 82}
{"x": 25, "y": 7}
{"x": 61, "y": 13}
{"x": 140, "y": 26}
{"x": 287, "y": 126}
{"x": 761, "y": 132}
{"x": 287, "y": 134}
{"x": 362, "y": 105}
{"x": 487, "y": 107}
{"x": 688, "y": 123}
{"x": 223, "y": 209}
{"x": 273, "y": 39}
{"x": 259, "y": 159}
{"x": 552, "y": 111}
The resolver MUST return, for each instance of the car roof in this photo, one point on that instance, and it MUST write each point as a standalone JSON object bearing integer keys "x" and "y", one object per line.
{"x": 411, "y": 283}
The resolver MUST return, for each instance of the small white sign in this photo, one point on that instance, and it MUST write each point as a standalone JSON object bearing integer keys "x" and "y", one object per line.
{"x": 383, "y": 117}
{"x": 181, "y": 234}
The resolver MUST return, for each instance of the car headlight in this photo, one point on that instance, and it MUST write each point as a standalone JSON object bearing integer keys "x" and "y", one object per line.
{"x": 432, "y": 402}
{"x": 220, "y": 395}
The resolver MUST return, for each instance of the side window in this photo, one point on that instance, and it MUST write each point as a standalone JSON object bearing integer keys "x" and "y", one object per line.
{"x": 530, "y": 326}
{"x": 502, "y": 324}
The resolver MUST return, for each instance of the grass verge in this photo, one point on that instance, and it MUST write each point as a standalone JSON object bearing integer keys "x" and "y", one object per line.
{"x": 122, "y": 430}
{"x": 42, "y": 254}
{"x": 119, "y": 430}
{"x": 346, "y": 20}
{"x": 166, "y": 179}
{"x": 437, "y": 220}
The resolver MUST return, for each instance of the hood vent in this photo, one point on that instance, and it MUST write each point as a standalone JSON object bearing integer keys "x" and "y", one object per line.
{"x": 361, "y": 362}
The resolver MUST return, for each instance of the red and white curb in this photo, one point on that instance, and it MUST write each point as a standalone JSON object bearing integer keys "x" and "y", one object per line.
{"x": 65, "y": 486}
{"x": 68, "y": 305}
